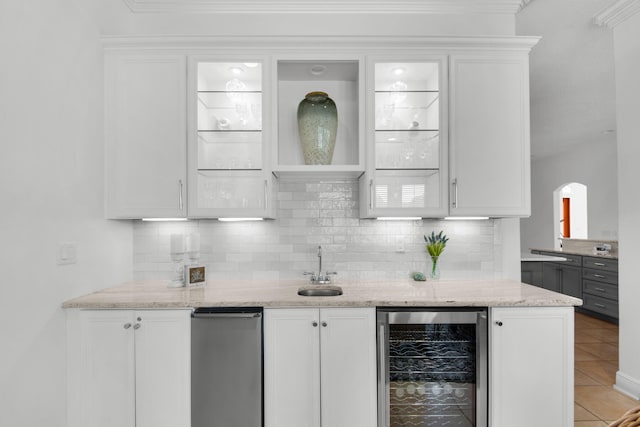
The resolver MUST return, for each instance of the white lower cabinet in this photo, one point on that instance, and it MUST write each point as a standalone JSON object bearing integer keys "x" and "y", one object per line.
{"x": 531, "y": 367}
{"x": 320, "y": 367}
{"x": 129, "y": 368}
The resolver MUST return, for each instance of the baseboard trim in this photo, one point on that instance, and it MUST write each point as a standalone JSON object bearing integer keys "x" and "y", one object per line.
{"x": 627, "y": 385}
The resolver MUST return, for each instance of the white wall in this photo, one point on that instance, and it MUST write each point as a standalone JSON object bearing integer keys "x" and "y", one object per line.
{"x": 116, "y": 19}
{"x": 593, "y": 165}
{"x": 51, "y": 191}
{"x": 627, "y": 54}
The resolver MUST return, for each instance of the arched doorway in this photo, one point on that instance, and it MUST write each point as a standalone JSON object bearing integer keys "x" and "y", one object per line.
{"x": 569, "y": 212}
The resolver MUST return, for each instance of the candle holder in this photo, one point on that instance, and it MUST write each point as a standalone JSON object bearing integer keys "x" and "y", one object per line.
{"x": 177, "y": 281}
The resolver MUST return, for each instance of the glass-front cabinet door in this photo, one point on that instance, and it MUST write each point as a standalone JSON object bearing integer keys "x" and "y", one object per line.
{"x": 229, "y": 173}
{"x": 407, "y": 155}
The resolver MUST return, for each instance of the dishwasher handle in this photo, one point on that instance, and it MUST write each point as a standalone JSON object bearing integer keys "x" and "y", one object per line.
{"x": 226, "y": 315}
{"x": 218, "y": 313}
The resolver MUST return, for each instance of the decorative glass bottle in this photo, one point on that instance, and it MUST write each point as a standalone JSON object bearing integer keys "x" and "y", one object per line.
{"x": 317, "y": 127}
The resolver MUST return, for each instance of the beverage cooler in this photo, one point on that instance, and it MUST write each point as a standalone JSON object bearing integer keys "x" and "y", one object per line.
{"x": 432, "y": 368}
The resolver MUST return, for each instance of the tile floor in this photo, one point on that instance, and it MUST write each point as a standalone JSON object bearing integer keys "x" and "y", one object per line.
{"x": 596, "y": 361}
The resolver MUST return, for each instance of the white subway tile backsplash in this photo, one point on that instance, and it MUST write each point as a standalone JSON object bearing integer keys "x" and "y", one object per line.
{"x": 321, "y": 213}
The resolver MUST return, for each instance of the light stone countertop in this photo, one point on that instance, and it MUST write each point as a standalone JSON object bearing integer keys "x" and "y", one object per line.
{"x": 576, "y": 252}
{"x": 267, "y": 293}
{"x": 537, "y": 257}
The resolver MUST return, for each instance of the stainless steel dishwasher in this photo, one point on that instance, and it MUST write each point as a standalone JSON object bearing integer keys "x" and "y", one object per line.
{"x": 226, "y": 367}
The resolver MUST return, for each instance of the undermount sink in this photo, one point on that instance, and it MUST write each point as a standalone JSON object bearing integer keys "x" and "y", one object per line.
{"x": 320, "y": 291}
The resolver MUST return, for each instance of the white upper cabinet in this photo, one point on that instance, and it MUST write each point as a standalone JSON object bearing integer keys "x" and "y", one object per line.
{"x": 145, "y": 136}
{"x": 407, "y": 133}
{"x": 489, "y": 135}
{"x": 432, "y": 127}
{"x": 229, "y": 172}
{"x": 341, "y": 77}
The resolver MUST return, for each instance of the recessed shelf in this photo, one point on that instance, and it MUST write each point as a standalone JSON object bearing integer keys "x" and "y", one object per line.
{"x": 340, "y": 79}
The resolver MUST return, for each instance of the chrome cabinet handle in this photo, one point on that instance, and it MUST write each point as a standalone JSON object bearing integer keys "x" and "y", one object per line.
{"x": 266, "y": 194}
{"x": 600, "y": 305}
{"x": 371, "y": 194}
{"x": 454, "y": 185}
{"x": 599, "y": 264}
{"x": 127, "y": 325}
{"x": 137, "y": 326}
{"x": 180, "y": 201}
{"x": 599, "y": 289}
{"x": 599, "y": 276}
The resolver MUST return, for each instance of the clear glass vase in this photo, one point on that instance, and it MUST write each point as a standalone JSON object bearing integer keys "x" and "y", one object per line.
{"x": 435, "y": 268}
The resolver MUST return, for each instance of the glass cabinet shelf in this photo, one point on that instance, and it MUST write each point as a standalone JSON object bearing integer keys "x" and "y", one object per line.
{"x": 229, "y": 150}
{"x": 407, "y": 115}
{"x": 407, "y": 150}
{"x": 409, "y": 173}
{"x": 229, "y": 176}
{"x": 229, "y": 116}
{"x": 409, "y": 111}
{"x": 229, "y": 111}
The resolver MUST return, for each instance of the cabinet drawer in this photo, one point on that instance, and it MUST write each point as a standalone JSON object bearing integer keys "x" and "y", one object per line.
{"x": 600, "y": 289}
{"x": 600, "y": 305}
{"x": 600, "y": 275}
{"x": 600, "y": 263}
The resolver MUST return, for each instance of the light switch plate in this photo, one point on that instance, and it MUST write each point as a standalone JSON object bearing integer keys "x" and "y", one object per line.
{"x": 67, "y": 253}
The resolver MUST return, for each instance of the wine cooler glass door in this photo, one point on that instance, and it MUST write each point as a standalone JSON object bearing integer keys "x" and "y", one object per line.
{"x": 433, "y": 369}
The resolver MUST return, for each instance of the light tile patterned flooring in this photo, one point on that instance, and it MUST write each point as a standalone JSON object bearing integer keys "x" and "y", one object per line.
{"x": 596, "y": 361}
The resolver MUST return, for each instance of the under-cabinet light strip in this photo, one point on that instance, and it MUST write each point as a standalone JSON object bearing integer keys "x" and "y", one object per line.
{"x": 398, "y": 218}
{"x": 164, "y": 219}
{"x": 466, "y": 218}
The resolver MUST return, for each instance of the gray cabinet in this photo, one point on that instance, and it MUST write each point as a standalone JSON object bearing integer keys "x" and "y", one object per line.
{"x": 562, "y": 276}
{"x": 531, "y": 272}
{"x": 600, "y": 286}
{"x": 594, "y": 279}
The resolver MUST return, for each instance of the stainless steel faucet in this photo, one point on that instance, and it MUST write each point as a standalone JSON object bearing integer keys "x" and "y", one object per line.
{"x": 320, "y": 278}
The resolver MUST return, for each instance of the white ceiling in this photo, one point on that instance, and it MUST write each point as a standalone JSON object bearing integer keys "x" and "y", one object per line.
{"x": 572, "y": 75}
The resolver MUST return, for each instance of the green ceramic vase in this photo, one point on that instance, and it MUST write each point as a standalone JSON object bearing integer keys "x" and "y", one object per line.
{"x": 317, "y": 127}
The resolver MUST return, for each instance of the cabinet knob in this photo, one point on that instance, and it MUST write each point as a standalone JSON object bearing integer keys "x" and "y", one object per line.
{"x": 324, "y": 324}
{"x": 137, "y": 326}
{"x": 127, "y": 325}
{"x": 499, "y": 323}
{"x": 315, "y": 324}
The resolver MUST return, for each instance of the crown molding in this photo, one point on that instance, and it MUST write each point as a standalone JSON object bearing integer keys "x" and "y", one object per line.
{"x": 616, "y": 12}
{"x": 327, "y": 6}
{"x": 328, "y": 44}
